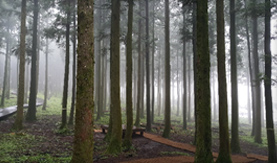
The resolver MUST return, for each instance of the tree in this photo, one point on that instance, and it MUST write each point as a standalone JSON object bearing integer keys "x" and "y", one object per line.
{"x": 116, "y": 122}
{"x": 234, "y": 83}
{"x": 224, "y": 149}
{"x": 83, "y": 137}
{"x": 139, "y": 107}
{"x": 148, "y": 117}
{"x": 267, "y": 84}
{"x": 129, "y": 66}
{"x": 66, "y": 69}
{"x": 257, "y": 83}
{"x": 184, "y": 72}
{"x": 203, "y": 137}
{"x": 31, "y": 113}
{"x": 46, "y": 75}
{"x": 167, "y": 73}
{"x": 70, "y": 121}
{"x": 20, "y": 97}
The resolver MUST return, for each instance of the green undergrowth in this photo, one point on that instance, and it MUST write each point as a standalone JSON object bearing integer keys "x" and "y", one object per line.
{"x": 16, "y": 147}
{"x": 10, "y": 102}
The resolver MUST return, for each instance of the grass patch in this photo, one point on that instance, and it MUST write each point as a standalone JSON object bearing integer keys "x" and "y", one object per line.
{"x": 14, "y": 144}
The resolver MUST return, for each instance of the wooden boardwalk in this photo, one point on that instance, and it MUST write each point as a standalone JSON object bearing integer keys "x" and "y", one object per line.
{"x": 9, "y": 111}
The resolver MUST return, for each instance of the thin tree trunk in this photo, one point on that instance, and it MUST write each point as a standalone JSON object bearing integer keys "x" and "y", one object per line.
{"x": 267, "y": 84}
{"x": 250, "y": 66}
{"x": 46, "y": 76}
{"x": 159, "y": 84}
{"x": 66, "y": 69}
{"x": 129, "y": 67}
{"x": 153, "y": 62}
{"x": 148, "y": 119}
{"x": 137, "y": 122}
{"x": 258, "y": 127}
{"x": 184, "y": 72}
{"x": 235, "y": 146}
{"x": 70, "y": 121}
{"x": 31, "y": 113}
{"x": 4, "y": 90}
{"x": 167, "y": 114}
{"x": 189, "y": 88}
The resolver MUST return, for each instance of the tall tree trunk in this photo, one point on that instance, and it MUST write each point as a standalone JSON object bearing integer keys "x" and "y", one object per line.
{"x": 46, "y": 74}
{"x": 99, "y": 70}
{"x": 66, "y": 68}
{"x": 184, "y": 71}
{"x": 224, "y": 148}
{"x": 20, "y": 93}
{"x": 137, "y": 122}
{"x": 83, "y": 135}
{"x": 257, "y": 84}
{"x": 167, "y": 114}
{"x": 203, "y": 138}
{"x": 38, "y": 54}
{"x": 189, "y": 88}
{"x": 159, "y": 84}
{"x": 250, "y": 67}
{"x": 148, "y": 119}
{"x": 194, "y": 42}
{"x": 153, "y": 63}
{"x": 214, "y": 95}
{"x": 26, "y": 82}
{"x": 178, "y": 86}
{"x": 267, "y": 84}
{"x": 72, "y": 108}
{"x": 129, "y": 67}
{"x": 234, "y": 83}
{"x": 31, "y": 113}
{"x": 116, "y": 130}
{"x": 8, "y": 81}
{"x": 6, "y": 71}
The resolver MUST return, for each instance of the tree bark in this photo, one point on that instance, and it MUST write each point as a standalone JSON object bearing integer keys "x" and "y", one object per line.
{"x": 46, "y": 74}
{"x": 148, "y": 110}
{"x": 224, "y": 147}
{"x": 116, "y": 132}
{"x": 70, "y": 121}
{"x": 184, "y": 72}
{"x": 31, "y": 113}
{"x": 137, "y": 122}
{"x": 235, "y": 146}
{"x": 257, "y": 84}
{"x": 129, "y": 67}
{"x": 66, "y": 68}
{"x": 203, "y": 138}
{"x": 267, "y": 84}
{"x": 18, "y": 125}
{"x": 83, "y": 135}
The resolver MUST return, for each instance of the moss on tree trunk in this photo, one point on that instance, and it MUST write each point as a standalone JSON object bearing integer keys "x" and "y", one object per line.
{"x": 116, "y": 122}
{"x": 203, "y": 138}
{"x": 83, "y": 138}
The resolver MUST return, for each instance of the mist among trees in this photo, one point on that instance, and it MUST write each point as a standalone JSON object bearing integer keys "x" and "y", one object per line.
{"x": 197, "y": 72}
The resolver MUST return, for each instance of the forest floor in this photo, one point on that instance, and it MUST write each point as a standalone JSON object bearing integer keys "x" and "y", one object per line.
{"x": 43, "y": 142}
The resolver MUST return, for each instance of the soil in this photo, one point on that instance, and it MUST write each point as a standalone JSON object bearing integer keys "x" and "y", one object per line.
{"x": 58, "y": 144}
